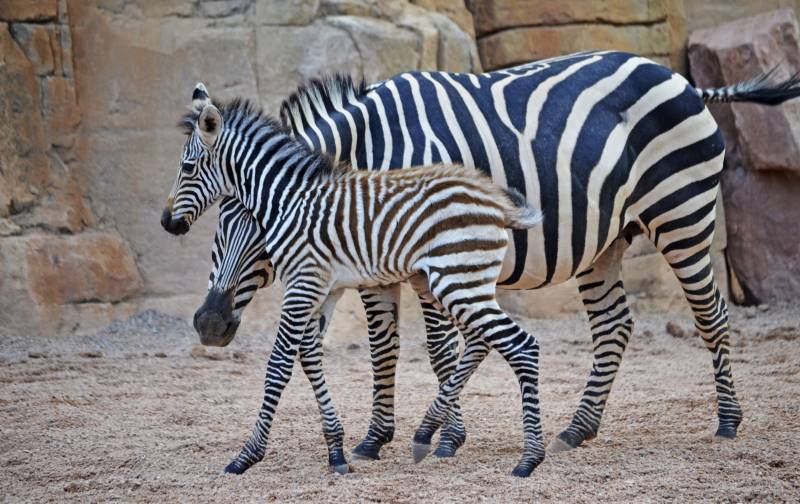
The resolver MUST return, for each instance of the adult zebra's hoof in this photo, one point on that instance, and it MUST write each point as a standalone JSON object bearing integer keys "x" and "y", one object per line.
{"x": 419, "y": 451}
{"x": 449, "y": 442}
{"x": 558, "y": 445}
{"x": 340, "y": 468}
{"x": 236, "y": 467}
{"x": 725, "y": 434}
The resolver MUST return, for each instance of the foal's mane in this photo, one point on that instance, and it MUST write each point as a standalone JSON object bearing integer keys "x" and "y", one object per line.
{"x": 243, "y": 114}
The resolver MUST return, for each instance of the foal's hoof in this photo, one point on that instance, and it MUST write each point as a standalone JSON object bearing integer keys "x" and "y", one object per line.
{"x": 340, "y": 468}
{"x": 236, "y": 467}
{"x": 419, "y": 451}
{"x": 527, "y": 465}
{"x": 366, "y": 451}
{"x": 449, "y": 442}
{"x": 523, "y": 470}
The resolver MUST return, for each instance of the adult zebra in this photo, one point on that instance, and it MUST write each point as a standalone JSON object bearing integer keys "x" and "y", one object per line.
{"x": 604, "y": 142}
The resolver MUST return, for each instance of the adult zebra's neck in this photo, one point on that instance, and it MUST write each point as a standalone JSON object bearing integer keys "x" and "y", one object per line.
{"x": 323, "y": 115}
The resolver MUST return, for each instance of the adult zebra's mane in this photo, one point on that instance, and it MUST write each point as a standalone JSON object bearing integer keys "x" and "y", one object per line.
{"x": 320, "y": 94}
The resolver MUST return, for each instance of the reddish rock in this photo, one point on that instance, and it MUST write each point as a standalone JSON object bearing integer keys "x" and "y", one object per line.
{"x": 762, "y": 176}
{"x": 92, "y": 266}
{"x": 41, "y": 274}
{"x": 758, "y": 137}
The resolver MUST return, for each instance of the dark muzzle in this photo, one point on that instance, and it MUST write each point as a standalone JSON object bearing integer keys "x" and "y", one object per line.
{"x": 214, "y": 320}
{"x": 176, "y": 226}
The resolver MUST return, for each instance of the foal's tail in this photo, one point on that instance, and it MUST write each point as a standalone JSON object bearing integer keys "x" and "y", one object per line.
{"x": 519, "y": 215}
{"x": 762, "y": 89}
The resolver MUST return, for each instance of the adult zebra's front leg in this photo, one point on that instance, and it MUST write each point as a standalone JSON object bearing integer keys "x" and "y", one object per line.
{"x": 381, "y": 306}
{"x": 300, "y": 306}
{"x": 603, "y": 295}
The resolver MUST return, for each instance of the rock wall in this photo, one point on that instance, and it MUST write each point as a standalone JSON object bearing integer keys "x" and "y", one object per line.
{"x": 90, "y": 93}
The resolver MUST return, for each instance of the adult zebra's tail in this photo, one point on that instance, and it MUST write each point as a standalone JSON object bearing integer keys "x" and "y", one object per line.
{"x": 762, "y": 89}
{"x": 518, "y": 214}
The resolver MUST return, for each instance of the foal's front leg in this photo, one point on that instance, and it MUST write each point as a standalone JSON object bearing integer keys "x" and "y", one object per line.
{"x": 300, "y": 305}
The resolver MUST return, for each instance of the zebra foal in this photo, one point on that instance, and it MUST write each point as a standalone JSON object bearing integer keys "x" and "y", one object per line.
{"x": 329, "y": 227}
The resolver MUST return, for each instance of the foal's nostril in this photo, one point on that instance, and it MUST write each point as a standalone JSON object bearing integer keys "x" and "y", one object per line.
{"x": 210, "y": 325}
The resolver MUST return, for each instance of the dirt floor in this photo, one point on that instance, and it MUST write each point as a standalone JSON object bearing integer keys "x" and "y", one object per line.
{"x": 138, "y": 413}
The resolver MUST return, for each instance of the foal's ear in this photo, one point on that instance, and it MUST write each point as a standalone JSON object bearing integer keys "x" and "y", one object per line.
{"x": 200, "y": 98}
{"x": 209, "y": 124}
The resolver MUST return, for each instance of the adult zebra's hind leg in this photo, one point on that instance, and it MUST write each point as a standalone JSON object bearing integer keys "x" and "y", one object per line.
{"x": 380, "y": 305}
{"x": 442, "y": 343}
{"x": 611, "y": 323}
{"x": 684, "y": 238}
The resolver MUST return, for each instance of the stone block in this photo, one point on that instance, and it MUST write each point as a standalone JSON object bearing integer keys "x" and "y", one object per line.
{"x": 41, "y": 273}
{"x": 762, "y": 210}
{"x": 37, "y": 43}
{"x": 456, "y": 10}
{"x": 520, "y": 45}
{"x": 384, "y": 48}
{"x": 283, "y": 13}
{"x": 495, "y": 15}
{"x": 28, "y": 10}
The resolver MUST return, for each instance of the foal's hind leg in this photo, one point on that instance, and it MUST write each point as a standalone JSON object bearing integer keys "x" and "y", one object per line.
{"x": 603, "y": 295}
{"x": 442, "y": 338}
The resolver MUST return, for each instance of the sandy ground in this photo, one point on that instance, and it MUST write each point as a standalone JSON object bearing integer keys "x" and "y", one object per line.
{"x": 131, "y": 414}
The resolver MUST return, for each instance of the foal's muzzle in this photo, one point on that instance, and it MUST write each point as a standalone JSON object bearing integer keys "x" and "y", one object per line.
{"x": 214, "y": 321}
{"x": 176, "y": 226}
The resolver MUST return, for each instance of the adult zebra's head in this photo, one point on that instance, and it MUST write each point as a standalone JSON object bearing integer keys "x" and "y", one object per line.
{"x": 200, "y": 178}
{"x": 240, "y": 267}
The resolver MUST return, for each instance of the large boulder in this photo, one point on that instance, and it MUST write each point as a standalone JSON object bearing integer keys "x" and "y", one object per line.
{"x": 762, "y": 176}
{"x": 43, "y": 274}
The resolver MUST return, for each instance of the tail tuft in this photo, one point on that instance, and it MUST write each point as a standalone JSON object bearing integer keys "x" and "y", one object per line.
{"x": 521, "y": 215}
{"x": 762, "y": 89}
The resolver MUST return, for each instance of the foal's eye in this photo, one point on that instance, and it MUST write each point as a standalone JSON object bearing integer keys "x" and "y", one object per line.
{"x": 187, "y": 168}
